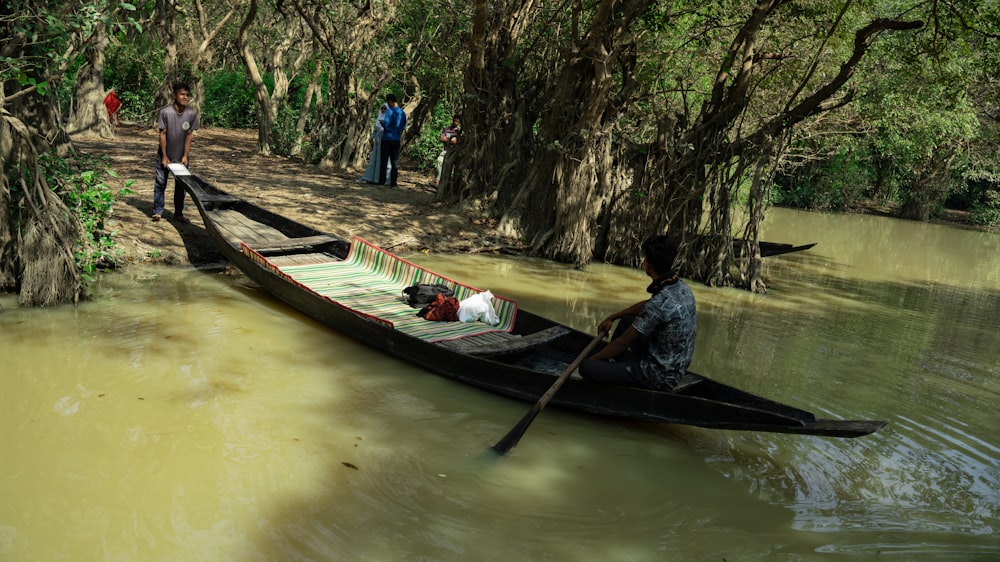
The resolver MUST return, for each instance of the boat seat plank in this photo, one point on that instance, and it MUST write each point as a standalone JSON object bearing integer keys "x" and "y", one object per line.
{"x": 265, "y": 232}
{"x": 242, "y": 232}
{"x": 303, "y": 259}
{"x": 206, "y": 198}
{"x": 236, "y": 226}
{"x": 503, "y": 343}
{"x": 291, "y": 243}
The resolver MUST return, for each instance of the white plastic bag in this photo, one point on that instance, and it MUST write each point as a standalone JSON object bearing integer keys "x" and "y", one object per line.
{"x": 478, "y": 307}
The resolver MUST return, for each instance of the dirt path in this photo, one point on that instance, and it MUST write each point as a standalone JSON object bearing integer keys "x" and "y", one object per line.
{"x": 405, "y": 219}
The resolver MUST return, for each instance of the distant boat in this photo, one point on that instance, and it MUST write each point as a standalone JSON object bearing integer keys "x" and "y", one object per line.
{"x": 355, "y": 288}
{"x": 769, "y": 249}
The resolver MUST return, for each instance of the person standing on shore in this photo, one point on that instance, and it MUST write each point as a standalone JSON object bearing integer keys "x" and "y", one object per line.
{"x": 395, "y": 123}
{"x": 113, "y": 104}
{"x": 177, "y": 123}
{"x": 371, "y": 173}
{"x": 449, "y": 138}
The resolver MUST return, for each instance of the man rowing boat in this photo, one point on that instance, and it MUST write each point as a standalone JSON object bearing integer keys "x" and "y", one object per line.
{"x": 654, "y": 341}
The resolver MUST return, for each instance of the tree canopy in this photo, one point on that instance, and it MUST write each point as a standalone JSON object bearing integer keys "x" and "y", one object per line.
{"x": 588, "y": 125}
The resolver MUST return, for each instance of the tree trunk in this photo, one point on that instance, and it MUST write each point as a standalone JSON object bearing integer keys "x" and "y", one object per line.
{"x": 342, "y": 132}
{"x": 269, "y": 104}
{"x": 8, "y": 232}
{"x": 419, "y": 112}
{"x": 89, "y": 115}
{"x": 497, "y": 130}
{"x": 930, "y": 186}
{"x": 355, "y": 76}
{"x": 569, "y": 185}
{"x": 209, "y": 25}
{"x": 693, "y": 170}
{"x": 312, "y": 91}
{"x": 753, "y": 263}
{"x": 166, "y": 12}
{"x": 265, "y": 109}
{"x": 38, "y": 232}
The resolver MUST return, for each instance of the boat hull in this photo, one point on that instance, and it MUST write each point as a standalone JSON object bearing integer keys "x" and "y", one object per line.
{"x": 702, "y": 402}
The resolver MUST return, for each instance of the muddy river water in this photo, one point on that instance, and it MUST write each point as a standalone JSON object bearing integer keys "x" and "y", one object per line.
{"x": 185, "y": 415}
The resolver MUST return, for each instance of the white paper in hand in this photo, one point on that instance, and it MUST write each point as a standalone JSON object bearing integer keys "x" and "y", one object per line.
{"x": 178, "y": 169}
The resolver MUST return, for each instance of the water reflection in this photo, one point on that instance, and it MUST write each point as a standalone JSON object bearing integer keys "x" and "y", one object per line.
{"x": 187, "y": 416}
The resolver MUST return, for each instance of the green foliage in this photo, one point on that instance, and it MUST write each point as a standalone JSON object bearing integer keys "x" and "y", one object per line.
{"x": 284, "y": 132}
{"x": 80, "y": 181}
{"x": 835, "y": 183}
{"x": 63, "y": 89}
{"x": 919, "y": 115}
{"x": 134, "y": 69}
{"x": 425, "y": 149}
{"x": 988, "y": 212}
{"x": 913, "y": 99}
{"x": 229, "y": 100}
{"x": 911, "y": 125}
{"x": 981, "y": 193}
{"x": 43, "y": 33}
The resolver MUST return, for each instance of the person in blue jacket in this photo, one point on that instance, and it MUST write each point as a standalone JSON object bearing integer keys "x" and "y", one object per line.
{"x": 394, "y": 124}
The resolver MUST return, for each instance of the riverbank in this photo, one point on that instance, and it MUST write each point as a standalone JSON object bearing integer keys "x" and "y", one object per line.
{"x": 404, "y": 219}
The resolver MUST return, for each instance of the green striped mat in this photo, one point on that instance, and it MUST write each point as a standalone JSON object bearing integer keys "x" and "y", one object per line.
{"x": 370, "y": 283}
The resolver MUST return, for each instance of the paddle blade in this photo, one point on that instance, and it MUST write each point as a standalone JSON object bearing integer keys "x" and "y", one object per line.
{"x": 514, "y": 435}
{"x": 510, "y": 440}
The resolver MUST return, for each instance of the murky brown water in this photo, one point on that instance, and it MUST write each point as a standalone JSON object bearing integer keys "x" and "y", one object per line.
{"x": 185, "y": 416}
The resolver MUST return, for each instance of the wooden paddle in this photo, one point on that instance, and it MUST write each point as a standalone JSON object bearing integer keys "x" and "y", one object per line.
{"x": 510, "y": 440}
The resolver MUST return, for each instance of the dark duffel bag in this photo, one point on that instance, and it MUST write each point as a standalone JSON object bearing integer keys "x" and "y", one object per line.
{"x": 422, "y": 294}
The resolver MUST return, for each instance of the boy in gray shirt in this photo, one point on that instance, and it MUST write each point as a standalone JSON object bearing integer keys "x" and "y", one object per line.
{"x": 177, "y": 123}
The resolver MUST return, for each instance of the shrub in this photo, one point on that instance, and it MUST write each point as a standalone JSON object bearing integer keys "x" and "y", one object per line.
{"x": 81, "y": 186}
{"x": 229, "y": 101}
{"x": 834, "y": 183}
{"x": 425, "y": 149}
{"x": 285, "y": 134}
{"x": 987, "y": 213}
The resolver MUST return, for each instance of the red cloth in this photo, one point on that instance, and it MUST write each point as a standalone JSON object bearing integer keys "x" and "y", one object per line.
{"x": 443, "y": 309}
{"x": 112, "y": 102}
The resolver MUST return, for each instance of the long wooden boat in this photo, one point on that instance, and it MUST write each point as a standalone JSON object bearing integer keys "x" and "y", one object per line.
{"x": 355, "y": 287}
